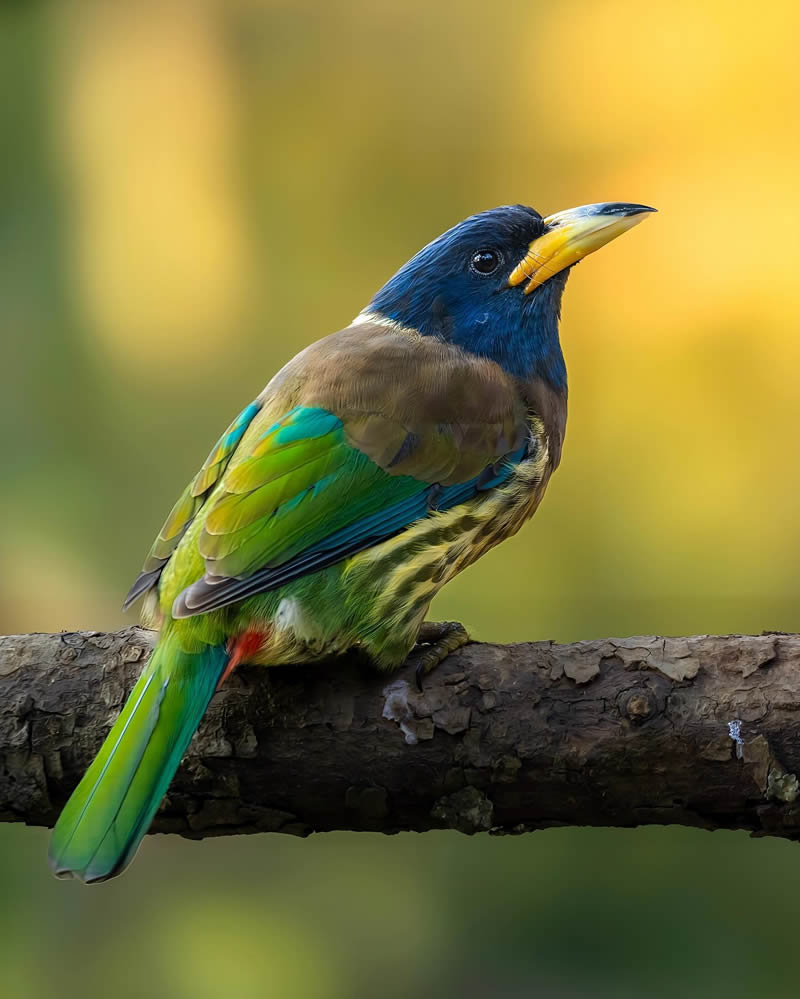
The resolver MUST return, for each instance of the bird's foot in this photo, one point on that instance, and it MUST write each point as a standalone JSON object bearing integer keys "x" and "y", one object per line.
{"x": 435, "y": 641}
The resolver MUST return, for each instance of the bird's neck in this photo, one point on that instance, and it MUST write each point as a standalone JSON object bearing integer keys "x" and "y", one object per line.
{"x": 529, "y": 346}
{"x": 521, "y": 337}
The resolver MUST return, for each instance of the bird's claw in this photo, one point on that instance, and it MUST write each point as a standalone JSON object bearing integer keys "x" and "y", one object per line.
{"x": 440, "y": 639}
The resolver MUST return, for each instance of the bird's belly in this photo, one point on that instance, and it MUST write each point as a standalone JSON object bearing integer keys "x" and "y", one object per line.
{"x": 403, "y": 574}
{"x": 378, "y": 598}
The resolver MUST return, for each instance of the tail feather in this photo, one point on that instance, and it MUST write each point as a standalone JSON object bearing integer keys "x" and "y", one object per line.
{"x": 102, "y": 824}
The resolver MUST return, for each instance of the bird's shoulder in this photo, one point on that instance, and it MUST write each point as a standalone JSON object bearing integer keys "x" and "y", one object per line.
{"x": 414, "y": 404}
{"x": 395, "y": 368}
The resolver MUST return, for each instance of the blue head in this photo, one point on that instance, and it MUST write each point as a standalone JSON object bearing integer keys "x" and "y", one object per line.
{"x": 493, "y": 283}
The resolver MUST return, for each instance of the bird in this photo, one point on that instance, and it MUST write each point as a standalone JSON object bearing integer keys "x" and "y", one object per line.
{"x": 375, "y": 466}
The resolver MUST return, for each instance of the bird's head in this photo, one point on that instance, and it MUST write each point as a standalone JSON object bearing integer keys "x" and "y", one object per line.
{"x": 493, "y": 283}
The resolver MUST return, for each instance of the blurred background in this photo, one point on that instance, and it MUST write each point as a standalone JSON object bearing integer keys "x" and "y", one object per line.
{"x": 191, "y": 192}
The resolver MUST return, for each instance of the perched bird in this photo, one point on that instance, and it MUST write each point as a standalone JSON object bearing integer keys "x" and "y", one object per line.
{"x": 376, "y": 465}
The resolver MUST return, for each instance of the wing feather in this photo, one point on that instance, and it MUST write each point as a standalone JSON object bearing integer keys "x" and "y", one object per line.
{"x": 191, "y": 501}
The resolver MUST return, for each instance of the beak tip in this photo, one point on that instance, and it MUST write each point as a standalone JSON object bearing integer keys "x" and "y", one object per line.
{"x": 623, "y": 209}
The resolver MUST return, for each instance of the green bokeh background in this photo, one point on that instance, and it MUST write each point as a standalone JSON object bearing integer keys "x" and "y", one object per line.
{"x": 192, "y": 191}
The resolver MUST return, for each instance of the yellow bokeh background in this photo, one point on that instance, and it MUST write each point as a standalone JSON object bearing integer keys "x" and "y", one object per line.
{"x": 192, "y": 191}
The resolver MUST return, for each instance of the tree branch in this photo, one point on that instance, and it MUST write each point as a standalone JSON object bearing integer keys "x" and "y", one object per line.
{"x": 696, "y": 731}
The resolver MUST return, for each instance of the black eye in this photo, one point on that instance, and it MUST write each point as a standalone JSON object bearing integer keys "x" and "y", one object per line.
{"x": 486, "y": 261}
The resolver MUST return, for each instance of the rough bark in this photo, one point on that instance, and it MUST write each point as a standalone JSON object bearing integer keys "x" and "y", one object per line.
{"x": 696, "y": 731}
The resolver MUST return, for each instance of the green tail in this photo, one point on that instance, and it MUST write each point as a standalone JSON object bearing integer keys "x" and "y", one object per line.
{"x": 111, "y": 809}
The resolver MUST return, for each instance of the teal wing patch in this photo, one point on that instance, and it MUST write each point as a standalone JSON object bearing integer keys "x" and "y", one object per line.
{"x": 190, "y": 503}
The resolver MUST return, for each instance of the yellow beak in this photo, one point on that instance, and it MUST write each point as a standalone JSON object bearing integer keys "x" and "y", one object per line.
{"x": 573, "y": 235}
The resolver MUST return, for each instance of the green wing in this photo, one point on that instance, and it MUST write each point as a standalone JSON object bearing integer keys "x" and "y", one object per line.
{"x": 190, "y": 503}
{"x": 305, "y": 498}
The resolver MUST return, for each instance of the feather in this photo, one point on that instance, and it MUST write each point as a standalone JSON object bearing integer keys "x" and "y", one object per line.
{"x": 191, "y": 501}
{"x": 109, "y": 812}
{"x": 215, "y": 591}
